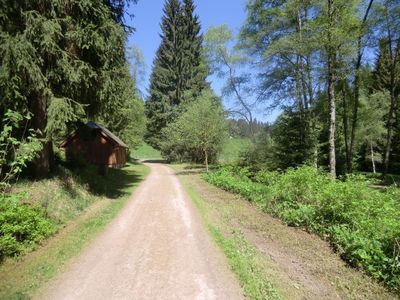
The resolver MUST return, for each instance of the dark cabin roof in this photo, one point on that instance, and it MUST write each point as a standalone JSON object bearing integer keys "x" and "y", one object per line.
{"x": 107, "y": 133}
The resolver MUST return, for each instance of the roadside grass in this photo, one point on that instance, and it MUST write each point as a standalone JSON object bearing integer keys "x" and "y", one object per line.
{"x": 22, "y": 277}
{"x": 243, "y": 258}
{"x": 146, "y": 151}
{"x": 232, "y": 148}
{"x": 299, "y": 265}
{"x": 360, "y": 223}
{"x": 68, "y": 193}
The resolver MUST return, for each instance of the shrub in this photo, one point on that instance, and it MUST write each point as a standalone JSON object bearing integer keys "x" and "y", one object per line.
{"x": 361, "y": 223}
{"x": 21, "y": 226}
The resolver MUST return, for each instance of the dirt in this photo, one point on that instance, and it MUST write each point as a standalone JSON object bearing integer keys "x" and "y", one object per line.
{"x": 300, "y": 265}
{"x": 156, "y": 248}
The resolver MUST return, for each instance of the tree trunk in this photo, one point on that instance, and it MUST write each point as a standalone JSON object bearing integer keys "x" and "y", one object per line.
{"x": 373, "y": 159}
{"x": 389, "y": 135}
{"x": 300, "y": 62}
{"x": 206, "y": 159}
{"x": 346, "y": 130}
{"x": 44, "y": 161}
{"x": 332, "y": 117}
{"x": 312, "y": 110}
{"x": 350, "y": 152}
{"x": 331, "y": 62}
{"x": 393, "y": 102}
{"x": 299, "y": 97}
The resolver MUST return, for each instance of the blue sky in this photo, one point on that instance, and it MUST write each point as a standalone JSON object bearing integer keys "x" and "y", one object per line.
{"x": 147, "y": 19}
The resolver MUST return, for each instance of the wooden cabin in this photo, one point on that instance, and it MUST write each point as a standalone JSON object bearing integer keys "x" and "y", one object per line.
{"x": 96, "y": 145}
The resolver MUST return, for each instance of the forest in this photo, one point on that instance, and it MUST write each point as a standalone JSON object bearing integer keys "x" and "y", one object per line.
{"x": 329, "y": 163}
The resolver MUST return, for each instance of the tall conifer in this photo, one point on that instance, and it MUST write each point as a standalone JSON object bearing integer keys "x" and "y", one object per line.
{"x": 59, "y": 59}
{"x": 179, "y": 73}
{"x": 195, "y": 69}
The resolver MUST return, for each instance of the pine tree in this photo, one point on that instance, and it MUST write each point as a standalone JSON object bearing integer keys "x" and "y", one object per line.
{"x": 59, "y": 61}
{"x": 194, "y": 68}
{"x": 179, "y": 73}
{"x": 165, "y": 77}
{"x": 292, "y": 141}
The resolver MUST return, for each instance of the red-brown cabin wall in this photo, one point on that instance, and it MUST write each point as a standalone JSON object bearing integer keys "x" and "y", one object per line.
{"x": 118, "y": 157}
{"x": 97, "y": 151}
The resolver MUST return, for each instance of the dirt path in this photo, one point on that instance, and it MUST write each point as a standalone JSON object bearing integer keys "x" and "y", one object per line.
{"x": 157, "y": 248}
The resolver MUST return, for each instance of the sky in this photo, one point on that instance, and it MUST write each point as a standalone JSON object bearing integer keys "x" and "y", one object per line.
{"x": 147, "y": 18}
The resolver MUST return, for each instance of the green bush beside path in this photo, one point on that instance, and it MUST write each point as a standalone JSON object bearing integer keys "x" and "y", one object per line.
{"x": 362, "y": 223}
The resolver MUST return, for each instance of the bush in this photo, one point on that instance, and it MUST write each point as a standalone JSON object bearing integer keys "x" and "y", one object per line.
{"x": 361, "y": 223}
{"x": 197, "y": 134}
{"x": 21, "y": 226}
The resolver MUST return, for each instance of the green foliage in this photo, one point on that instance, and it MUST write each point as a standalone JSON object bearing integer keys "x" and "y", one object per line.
{"x": 137, "y": 65}
{"x": 145, "y": 151}
{"x": 259, "y": 154}
{"x": 28, "y": 218}
{"x": 125, "y": 115}
{"x": 198, "y": 133}
{"x": 232, "y": 148}
{"x": 362, "y": 223}
{"x": 219, "y": 56}
{"x": 15, "y": 153}
{"x": 21, "y": 226}
{"x": 240, "y": 128}
{"x": 228, "y": 62}
{"x": 61, "y": 112}
{"x": 292, "y": 140}
{"x": 62, "y": 61}
{"x": 179, "y": 72}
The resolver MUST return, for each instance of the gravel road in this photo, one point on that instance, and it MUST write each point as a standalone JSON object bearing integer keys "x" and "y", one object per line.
{"x": 156, "y": 248}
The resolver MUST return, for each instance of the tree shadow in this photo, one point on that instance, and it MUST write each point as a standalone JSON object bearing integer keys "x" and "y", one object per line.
{"x": 116, "y": 183}
{"x": 191, "y": 172}
{"x": 191, "y": 167}
{"x": 156, "y": 161}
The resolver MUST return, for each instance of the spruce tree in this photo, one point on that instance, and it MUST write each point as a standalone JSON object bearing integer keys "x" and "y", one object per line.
{"x": 179, "y": 73}
{"x": 59, "y": 61}
{"x": 194, "y": 70}
{"x": 165, "y": 80}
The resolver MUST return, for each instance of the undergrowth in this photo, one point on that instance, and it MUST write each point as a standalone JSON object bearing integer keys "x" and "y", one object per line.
{"x": 21, "y": 226}
{"x": 363, "y": 224}
{"x": 34, "y": 210}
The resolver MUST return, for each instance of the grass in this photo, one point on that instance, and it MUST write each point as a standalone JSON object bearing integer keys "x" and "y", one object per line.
{"x": 232, "y": 148}
{"x": 391, "y": 179}
{"x": 68, "y": 193}
{"x": 297, "y": 264}
{"x": 361, "y": 223}
{"x": 22, "y": 277}
{"x": 243, "y": 258}
{"x": 230, "y": 152}
{"x": 145, "y": 151}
